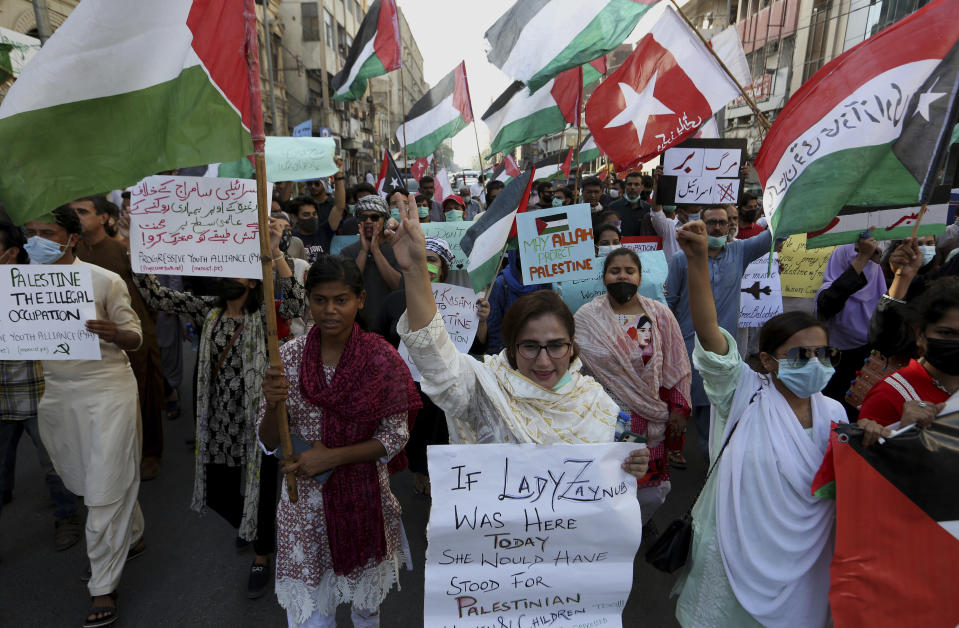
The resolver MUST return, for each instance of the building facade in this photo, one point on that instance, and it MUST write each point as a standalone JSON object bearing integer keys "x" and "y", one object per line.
{"x": 317, "y": 40}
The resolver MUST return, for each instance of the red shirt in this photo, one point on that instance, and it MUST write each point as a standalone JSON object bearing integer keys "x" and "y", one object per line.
{"x": 884, "y": 402}
{"x": 748, "y": 232}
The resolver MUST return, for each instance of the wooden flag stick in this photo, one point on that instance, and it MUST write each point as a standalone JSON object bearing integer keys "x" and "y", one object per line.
{"x": 263, "y": 208}
{"x": 579, "y": 136}
{"x": 406, "y": 160}
{"x": 763, "y": 121}
{"x": 915, "y": 227}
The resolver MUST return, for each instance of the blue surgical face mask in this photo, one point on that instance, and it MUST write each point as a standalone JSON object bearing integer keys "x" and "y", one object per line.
{"x": 395, "y": 213}
{"x": 692, "y": 217}
{"x": 631, "y": 199}
{"x": 423, "y": 211}
{"x": 43, "y": 251}
{"x": 466, "y": 199}
{"x": 557, "y": 202}
{"x": 350, "y": 208}
{"x": 454, "y": 215}
{"x": 806, "y": 380}
{"x": 928, "y": 252}
{"x": 716, "y": 242}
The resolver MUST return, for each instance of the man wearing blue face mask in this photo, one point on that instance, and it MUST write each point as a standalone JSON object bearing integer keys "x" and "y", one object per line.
{"x": 89, "y": 415}
{"x": 633, "y": 208}
{"x": 727, "y": 263}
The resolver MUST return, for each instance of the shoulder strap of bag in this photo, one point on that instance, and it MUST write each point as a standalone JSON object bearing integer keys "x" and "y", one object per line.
{"x": 226, "y": 350}
{"x": 716, "y": 461}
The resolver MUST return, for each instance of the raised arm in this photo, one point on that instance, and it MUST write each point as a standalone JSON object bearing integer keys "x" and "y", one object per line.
{"x": 339, "y": 198}
{"x": 409, "y": 247}
{"x": 692, "y": 239}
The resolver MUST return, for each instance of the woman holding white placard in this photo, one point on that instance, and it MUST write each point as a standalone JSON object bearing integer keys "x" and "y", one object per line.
{"x": 531, "y": 392}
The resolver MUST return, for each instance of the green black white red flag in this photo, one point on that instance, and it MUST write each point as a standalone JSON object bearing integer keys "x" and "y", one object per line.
{"x": 537, "y": 39}
{"x": 122, "y": 90}
{"x": 867, "y": 130}
{"x": 443, "y": 112}
{"x": 517, "y": 117}
{"x": 897, "y": 521}
{"x": 485, "y": 241}
{"x": 376, "y": 50}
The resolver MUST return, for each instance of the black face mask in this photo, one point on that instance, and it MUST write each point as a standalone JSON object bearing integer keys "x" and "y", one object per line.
{"x": 230, "y": 289}
{"x": 285, "y": 240}
{"x": 750, "y": 215}
{"x": 943, "y": 354}
{"x": 308, "y": 225}
{"x": 621, "y": 291}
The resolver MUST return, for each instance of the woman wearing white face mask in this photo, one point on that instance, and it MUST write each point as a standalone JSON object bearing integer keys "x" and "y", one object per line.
{"x": 762, "y": 543}
{"x": 607, "y": 239}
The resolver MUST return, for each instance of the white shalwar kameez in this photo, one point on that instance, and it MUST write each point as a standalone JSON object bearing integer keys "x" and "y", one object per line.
{"x": 90, "y": 423}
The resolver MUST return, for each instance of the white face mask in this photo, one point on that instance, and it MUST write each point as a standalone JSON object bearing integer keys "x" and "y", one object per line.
{"x": 928, "y": 252}
{"x": 603, "y": 250}
{"x": 692, "y": 217}
{"x": 614, "y": 193}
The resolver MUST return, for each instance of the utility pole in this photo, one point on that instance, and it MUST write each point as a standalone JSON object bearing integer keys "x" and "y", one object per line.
{"x": 43, "y": 20}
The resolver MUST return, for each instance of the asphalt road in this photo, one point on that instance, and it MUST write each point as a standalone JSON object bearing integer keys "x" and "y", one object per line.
{"x": 191, "y": 574}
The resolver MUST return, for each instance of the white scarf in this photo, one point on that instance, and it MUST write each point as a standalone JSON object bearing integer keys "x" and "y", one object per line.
{"x": 579, "y": 411}
{"x": 775, "y": 538}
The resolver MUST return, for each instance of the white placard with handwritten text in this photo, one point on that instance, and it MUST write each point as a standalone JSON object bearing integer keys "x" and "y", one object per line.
{"x": 43, "y": 313}
{"x": 760, "y": 295}
{"x": 201, "y": 226}
{"x": 457, "y": 306}
{"x": 530, "y": 535}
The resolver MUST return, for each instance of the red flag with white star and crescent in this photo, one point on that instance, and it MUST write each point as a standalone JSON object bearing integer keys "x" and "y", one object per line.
{"x": 659, "y": 96}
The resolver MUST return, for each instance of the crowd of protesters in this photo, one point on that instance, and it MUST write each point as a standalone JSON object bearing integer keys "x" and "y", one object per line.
{"x": 877, "y": 346}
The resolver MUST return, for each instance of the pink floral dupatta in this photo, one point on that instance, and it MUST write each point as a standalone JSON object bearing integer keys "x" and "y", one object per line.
{"x": 616, "y": 360}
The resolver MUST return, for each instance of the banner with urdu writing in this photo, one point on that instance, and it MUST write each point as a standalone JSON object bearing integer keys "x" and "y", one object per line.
{"x": 530, "y": 535}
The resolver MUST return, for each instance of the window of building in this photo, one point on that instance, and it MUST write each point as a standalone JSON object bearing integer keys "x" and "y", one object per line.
{"x": 357, "y": 11}
{"x": 344, "y": 47}
{"x": 328, "y": 27}
{"x": 309, "y": 16}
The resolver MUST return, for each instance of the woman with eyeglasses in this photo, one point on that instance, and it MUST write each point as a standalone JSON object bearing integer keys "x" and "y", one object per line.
{"x": 633, "y": 346}
{"x": 531, "y": 392}
{"x": 762, "y": 543}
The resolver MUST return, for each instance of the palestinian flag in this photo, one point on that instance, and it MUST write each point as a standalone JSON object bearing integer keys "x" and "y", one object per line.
{"x": 589, "y": 151}
{"x": 548, "y": 170}
{"x": 897, "y": 522}
{"x": 442, "y": 113}
{"x": 896, "y": 222}
{"x": 126, "y": 89}
{"x": 517, "y": 117}
{"x": 375, "y": 51}
{"x": 867, "y": 130}
{"x": 552, "y": 224}
{"x": 537, "y": 39}
{"x": 389, "y": 177}
{"x": 486, "y": 240}
{"x": 507, "y": 170}
{"x": 594, "y": 70}
{"x": 6, "y": 65}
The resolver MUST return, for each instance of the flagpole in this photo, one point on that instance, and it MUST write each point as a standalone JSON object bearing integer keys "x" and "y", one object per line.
{"x": 579, "y": 136}
{"x": 263, "y": 207}
{"x": 406, "y": 160}
{"x": 915, "y": 227}
{"x": 760, "y": 118}
{"x": 479, "y": 153}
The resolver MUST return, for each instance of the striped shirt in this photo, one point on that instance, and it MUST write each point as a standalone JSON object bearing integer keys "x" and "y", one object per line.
{"x": 21, "y": 386}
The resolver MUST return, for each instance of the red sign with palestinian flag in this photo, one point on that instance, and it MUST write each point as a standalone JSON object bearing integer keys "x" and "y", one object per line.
{"x": 897, "y": 526}
{"x": 661, "y": 95}
{"x": 125, "y": 89}
{"x": 866, "y": 131}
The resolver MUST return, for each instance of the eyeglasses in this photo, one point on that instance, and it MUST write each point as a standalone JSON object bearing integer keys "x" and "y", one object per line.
{"x": 717, "y": 223}
{"x": 555, "y": 350}
{"x": 798, "y": 356}
{"x": 370, "y": 217}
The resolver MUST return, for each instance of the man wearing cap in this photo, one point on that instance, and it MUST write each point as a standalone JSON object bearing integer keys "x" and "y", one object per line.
{"x": 373, "y": 254}
{"x": 89, "y": 416}
{"x": 454, "y": 208}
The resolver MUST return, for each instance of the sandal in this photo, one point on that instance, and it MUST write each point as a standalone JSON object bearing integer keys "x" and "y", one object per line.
{"x": 109, "y": 614}
{"x": 676, "y": 459}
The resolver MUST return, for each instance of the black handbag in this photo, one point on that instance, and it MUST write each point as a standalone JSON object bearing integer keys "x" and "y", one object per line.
{"x": 670, "y": 550}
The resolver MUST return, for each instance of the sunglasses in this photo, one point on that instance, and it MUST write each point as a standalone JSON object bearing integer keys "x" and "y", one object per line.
{"x": 370, "y": 217}
{"x": 798, "y": 356}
